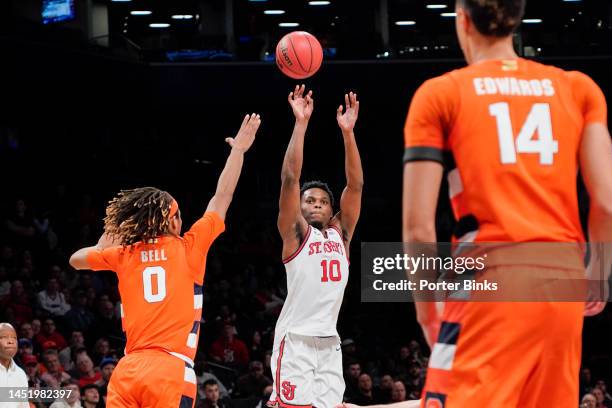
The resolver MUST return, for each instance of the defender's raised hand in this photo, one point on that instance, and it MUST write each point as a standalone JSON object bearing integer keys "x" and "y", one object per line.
{"x": 301, "y": 105}
{"x": 347, "y": 120}
{"x": 246, "y": 134}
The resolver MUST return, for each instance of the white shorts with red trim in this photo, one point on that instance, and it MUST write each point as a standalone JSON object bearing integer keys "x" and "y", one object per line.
{"x": 307, "y": 372}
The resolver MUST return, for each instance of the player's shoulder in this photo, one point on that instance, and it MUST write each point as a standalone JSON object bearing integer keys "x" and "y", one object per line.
{"x": 441, "y": 83}
{"x": 573, "y": 77}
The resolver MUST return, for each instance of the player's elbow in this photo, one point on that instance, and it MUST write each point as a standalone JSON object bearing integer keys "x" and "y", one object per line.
{"x": 78, "y": 261}
{"x": 419, "y": 231}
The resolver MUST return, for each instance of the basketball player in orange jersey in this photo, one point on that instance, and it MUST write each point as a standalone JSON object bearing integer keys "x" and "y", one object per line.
{"x": 160, "y": 277}
{"x": 306, "y": 360}
{"x": 518, "y": 132}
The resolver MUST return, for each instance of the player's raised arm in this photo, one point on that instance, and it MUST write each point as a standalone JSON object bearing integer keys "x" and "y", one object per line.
{"x": 596, "y": 169}
{"x": 350, "y": 201}
{"x": 78, "y": 260}
{"x": 233, "y": 166}
{"x": 291, "y": 223}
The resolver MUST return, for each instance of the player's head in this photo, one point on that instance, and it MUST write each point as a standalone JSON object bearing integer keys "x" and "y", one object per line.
{"x": 317, "y": 203}
{"x": 486, "y": 21}
{"x": 8, "y": 341}
{"x": 142, "y": 214}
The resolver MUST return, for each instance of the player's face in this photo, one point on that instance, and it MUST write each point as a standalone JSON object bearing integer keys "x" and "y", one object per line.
{"x": 316, "y": 207}
{"x": 176, "y": 223}
{"x": 8, "y": 342}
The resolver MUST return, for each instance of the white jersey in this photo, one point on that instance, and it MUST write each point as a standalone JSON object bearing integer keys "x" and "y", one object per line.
{"x": 317, "y": 274}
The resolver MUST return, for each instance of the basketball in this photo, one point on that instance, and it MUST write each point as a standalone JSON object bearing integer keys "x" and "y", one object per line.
{"x": 299, "y": 55}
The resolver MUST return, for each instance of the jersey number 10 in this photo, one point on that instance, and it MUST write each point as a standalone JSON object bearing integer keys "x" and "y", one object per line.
{"x": 538, "y": 120}
{"x": 334, "y": 270}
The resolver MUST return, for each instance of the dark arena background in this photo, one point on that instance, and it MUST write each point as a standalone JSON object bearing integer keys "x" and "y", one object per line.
{"x": 93, "y": 100}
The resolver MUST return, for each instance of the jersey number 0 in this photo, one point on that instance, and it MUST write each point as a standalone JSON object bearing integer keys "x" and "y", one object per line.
{"x": 147, "y": 281}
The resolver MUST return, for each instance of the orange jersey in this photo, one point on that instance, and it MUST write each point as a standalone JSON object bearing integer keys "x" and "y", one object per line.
{"x": 160, "y": 284}
{"x": 510, "y": 132}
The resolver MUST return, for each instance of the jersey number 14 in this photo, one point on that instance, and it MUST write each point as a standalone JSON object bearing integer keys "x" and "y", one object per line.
{"x": 538, "y": 120}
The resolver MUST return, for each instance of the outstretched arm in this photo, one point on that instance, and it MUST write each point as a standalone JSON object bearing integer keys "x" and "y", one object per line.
{"x": 403, "y": 404}
{"x": 233, "y": 166}
{"x": 78, "y": 260}
{"x": 596, "y": 168}
{"x": 350, "y": 201}
{"x": 291, "y": 224}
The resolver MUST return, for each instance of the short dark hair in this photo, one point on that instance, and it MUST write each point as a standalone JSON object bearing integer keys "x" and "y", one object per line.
{"x": 88, "y": 386}
{"x": 210, "y": 382}
{"x": 318, "y": 184}
{"x": 496, "y": 18}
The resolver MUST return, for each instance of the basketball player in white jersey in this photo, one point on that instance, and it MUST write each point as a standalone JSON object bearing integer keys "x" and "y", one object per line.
{"x": 307, "y": 361}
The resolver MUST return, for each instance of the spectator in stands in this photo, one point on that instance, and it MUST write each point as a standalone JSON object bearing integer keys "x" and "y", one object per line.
{"x": 90, "y": 395}
{"x": 414, "y": 380}
{"x": 5, "y": 283}
{"x": 49, "y": 333}
{"x": 229, "y": 350}
{"x": 101, "y": 350}
{"x": 85, "y": 369}
{"x": 54, "y": 374}
{"x": 365, "y": 393}
{"x": 349, "y": 350}
{"x": 588, "y": 401}
{"x": 73, "y": 400}
{"x": 398, "y": 393}
{"x": 26, "y": 332}
{"x": 32, "y": 370}
{"x": 36, "y": 327}
{"x": 107, "y": 323}
{"x": 107, "y": 365}
{"x": 68, "y": 354}
{"x": 386, "y": 388}
{"x": 601, "y": 384}
{"x": 586, "y": 379}
{"x": 256, "y": 351}
{"x": 599, "y": 396}
{"x": 25, "y": 347}
{"x": 20, "y": 226}
{"x": 79, "y": 317}
{"x": 19, "y": 302}
{"x": 212, "y": 397}
{"x": 351, "y": 379}
{"x": 52, "y": 301}
{"x": 202, "y": 375}
{"x": 253, "y": 383}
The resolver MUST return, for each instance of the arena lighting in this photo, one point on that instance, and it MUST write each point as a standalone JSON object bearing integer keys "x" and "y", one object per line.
{"x": 182, "y": 16}
{"x": 159, "y": 25}
{"x": 141, "y": 12}
{"x": 448, "y": 14}
{"x": 121, "y": 1}
{"x": 405, "y": 23}
{"x": 288, "y": 24}
{"x": 274, "y": 12}
{"x": 436, "y": 6}
{"x": 319, "y": 3}
{"x": 532, "y": 20}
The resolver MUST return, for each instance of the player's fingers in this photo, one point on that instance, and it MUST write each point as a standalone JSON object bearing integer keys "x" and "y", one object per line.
{"x": 356, "y": 107}
{"x": 244, "y": 121}
{"x": 353, "y": 98}
{"x": 302, "y": 89}
{"x": 339, "y": 111}
{"x": 290, "y": 97}
{"x": 229, "y": 141}
{"x": 346, "y": 101}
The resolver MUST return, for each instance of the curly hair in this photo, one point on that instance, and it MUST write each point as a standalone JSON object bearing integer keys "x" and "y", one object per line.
{"x": 138, "y": 215}
{"x": 496, "y": 18}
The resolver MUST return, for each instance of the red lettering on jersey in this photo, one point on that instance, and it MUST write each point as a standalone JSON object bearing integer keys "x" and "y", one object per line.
{"x": 288, "y": 390}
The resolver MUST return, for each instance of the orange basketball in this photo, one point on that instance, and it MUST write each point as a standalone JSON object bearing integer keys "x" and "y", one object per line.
{"x": 299, "y": 55}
